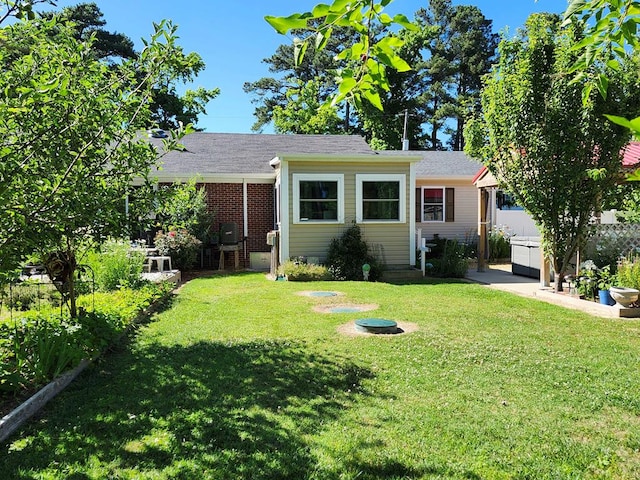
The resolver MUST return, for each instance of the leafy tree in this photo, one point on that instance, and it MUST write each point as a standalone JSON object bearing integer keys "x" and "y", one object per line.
{"x": 88, "y": 22}
{"x": 459, "y": 53}
{"x": 69, "y": 141}
{"x": 305, "y": 113}
{"x": 184, "y": 206}
{"x": 367, "y": 59}
{"x": 611, "y": 36}
{"x": 449, "y": 48}
{"x": 169, "y": 108}
{"x": 317, "y": 66}
{"x": 402, "y": 103}
{"x": 539, "y": 139}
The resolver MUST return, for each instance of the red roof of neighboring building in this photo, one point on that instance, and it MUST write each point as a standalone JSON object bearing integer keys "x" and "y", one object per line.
{"x": 631, "y": 154}
{"x": 630, "y": 159}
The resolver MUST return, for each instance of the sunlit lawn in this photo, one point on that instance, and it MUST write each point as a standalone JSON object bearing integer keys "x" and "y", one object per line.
{"x": 240, "y": 378}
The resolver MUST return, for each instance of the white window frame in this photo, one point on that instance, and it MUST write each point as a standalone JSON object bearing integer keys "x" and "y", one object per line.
{"x": 382, "y": 177}
{"x": 317, "y": 177}
{"x": 444, "y": 203}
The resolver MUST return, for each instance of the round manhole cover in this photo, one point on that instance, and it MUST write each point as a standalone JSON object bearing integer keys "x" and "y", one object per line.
{"x": 376, "y": 325}
{"x": 345, "y": 310}
{"x": 322, "y": 294}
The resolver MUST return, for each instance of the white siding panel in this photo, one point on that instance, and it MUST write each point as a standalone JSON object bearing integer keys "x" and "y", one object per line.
{"x": 465, "y": 226}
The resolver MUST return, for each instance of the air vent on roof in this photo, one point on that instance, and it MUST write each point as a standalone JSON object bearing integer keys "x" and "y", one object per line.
{"x": 157, "y": 133}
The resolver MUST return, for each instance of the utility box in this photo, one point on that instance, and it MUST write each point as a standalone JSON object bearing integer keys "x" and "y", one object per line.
{"x": 228, "y": 234}
{"x": 272, "y": 237}
{"x": 260, "y": 261}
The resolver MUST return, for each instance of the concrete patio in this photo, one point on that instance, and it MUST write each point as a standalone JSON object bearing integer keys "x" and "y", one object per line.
{"x": 500, "y": 277}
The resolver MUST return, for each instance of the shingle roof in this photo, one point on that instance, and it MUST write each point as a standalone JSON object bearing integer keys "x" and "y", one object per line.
{"x": 250, "y": 154}
{"x": 631, "y": 155}
{"x": 441, "y": 163}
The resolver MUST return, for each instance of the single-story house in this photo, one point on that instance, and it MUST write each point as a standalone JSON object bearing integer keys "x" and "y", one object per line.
{"x": 310, "y": 188}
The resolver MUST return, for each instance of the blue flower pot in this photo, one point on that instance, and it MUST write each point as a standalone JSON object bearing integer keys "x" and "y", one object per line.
{"x": 605, "y": 297}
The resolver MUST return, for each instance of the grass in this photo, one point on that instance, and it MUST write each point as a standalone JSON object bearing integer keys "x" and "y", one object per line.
{"x": 240, "y": 378}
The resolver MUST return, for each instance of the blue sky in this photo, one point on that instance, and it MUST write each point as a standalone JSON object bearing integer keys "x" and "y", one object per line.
{"x": 232, "y": 38}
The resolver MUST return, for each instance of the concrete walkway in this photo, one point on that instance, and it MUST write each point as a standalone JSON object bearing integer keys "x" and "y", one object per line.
{"x": 500, "y": 277}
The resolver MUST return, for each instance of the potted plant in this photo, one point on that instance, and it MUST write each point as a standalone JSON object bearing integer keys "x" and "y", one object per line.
{"x": 605, "y": 279}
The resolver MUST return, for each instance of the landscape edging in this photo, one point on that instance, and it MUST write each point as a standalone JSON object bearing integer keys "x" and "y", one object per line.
{"x": 13, "y": 420}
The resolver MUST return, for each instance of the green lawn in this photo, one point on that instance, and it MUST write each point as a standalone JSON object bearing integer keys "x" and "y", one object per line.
{"x": 240, "y": 378}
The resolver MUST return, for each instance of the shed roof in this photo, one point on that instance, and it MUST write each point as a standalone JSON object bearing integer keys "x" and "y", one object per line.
{"x": 249, "y": 154}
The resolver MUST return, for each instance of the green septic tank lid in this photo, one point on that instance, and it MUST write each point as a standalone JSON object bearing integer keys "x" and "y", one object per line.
{"x": 376, "y": 325}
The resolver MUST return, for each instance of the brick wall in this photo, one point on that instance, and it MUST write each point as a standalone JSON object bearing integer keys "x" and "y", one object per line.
{"x": 225, "y": 200}
{"x": 261, "y": 216}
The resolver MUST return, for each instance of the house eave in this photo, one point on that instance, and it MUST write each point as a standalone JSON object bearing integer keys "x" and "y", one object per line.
{"x": 341, "y": 158}
{"x": 162, "y": 177}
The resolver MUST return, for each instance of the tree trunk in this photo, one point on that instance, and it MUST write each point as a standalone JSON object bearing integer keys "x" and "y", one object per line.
{"x": 557, "y": 281}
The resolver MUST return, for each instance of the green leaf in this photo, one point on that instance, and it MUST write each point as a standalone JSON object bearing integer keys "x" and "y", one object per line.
{"x": 373, "y": 98}
{"x": 320, "y": 10}
{"x": 385, "y": 19}
{"x": 633, "y": 125}
{"x": 299, "y": 49}
{"x": 574, "y": 7}
{"x": 586, "y": 93}
{"x": 283, "y": 24}
{"x": 347, "y": 84}
{"x": 603, "y": 85}
{"x": 322, "y": 38}
{"x": 403, "y": 21}
{"x": 634, "y": 176}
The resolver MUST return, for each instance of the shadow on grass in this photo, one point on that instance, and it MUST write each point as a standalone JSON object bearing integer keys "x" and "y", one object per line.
{"x": 232, "y": 410}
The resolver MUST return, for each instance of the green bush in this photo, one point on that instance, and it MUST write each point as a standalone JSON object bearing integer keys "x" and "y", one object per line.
{"x": 37, "y": 347}
{"x": 184, "y": 206}
{"x": 116, "y": 265}
{"x": 453, "y": 262}
{"x": 348, "y": 253}
{"x": 297, "y": 271}
{"x": 181, "y": 246}
{"x": 628, "y": 274}
{"x": 29, "y": 295}
{"x": 499, "y": 244}
{"x": 35, "y": 350}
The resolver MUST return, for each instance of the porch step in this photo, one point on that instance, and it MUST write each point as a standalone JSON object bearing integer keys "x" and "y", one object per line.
{"x": 403, "y": 275}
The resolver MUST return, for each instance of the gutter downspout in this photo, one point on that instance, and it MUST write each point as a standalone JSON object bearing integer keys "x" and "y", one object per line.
{"x": 245, "y": 214}
{"x": 412, "y": 214}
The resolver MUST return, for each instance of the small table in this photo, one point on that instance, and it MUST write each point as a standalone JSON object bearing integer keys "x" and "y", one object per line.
{"x": 230, "y": 248}
{"x": 159, "y": 261}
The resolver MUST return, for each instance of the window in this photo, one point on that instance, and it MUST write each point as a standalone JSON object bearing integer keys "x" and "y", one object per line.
{"x": 318, "y": 198}
{"x": 433, "y": 204}
{"x": 437, "y": 204}
{"x": 380, "y": 198}
{"x": 505, "y": 201}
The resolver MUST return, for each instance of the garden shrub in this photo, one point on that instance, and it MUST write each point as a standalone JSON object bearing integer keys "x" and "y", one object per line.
{"x": 348, "y": 253}
{"x": 37, "y": 347}
{"x": 297, "y": 271}
{"x": 35, "y": 350}
{"x": 184, "y": 206}
{"x": 499, "y": 244}
{"x": 453, "y": 262}
{"x": 628, "y": 274}
{"x": 116, "y": 266}
{"x": 181, "y": 246}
